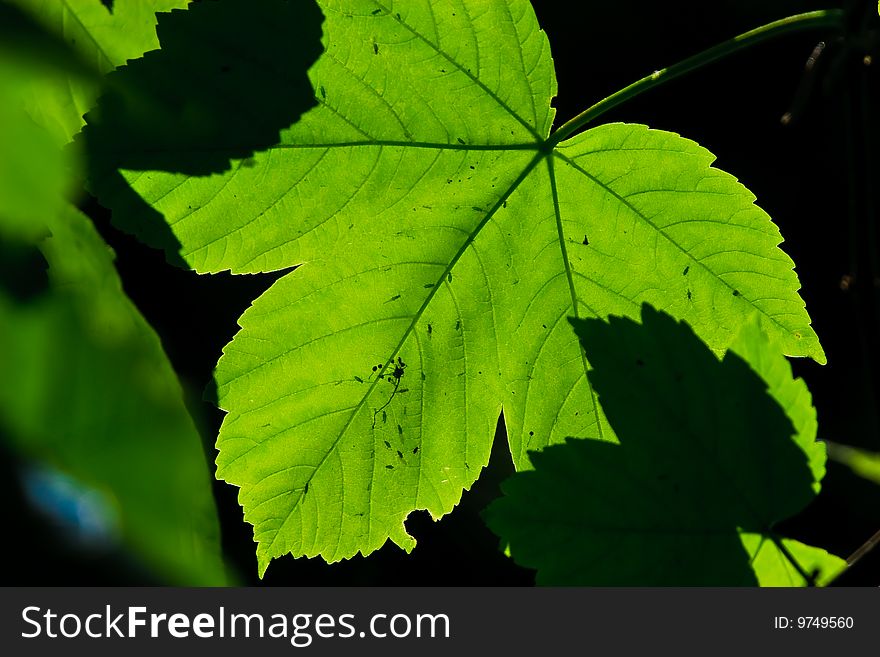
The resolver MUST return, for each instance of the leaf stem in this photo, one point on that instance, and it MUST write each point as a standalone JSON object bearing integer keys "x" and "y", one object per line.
{"x": 822, "y": 19}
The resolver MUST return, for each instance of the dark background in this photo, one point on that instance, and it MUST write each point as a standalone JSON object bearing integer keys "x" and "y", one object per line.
{"x": 813, "y": 176}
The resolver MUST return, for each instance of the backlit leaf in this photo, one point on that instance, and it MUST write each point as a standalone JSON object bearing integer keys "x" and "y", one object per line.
{"x": 443, "y": 240}
{"x": 711, "y": 457}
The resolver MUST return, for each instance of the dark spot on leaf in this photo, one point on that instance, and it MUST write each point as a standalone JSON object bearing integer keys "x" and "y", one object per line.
{"x": 415, "y": 450}
{"x": 686, "y": 270}
{"x": 690, "y": 295}
{"x": 466, "y": 465}
{"x": 400, "y": 455}
{"x": 358, "y": 379}
{"x": 531, "y": 433}
{"x": 736, "y": 293}
{"x": 504, "y": 204}
{"x": 458, "y": 325}
{"x": 384, "y": 417}
{"x": 268, "y": 424}
{"x": 376, "y": 11}
{"x": 430, "y": 329}
{"x": 375, "y": 48}
{"x": 323, "y": 92}
{"x": 389, "y": 467}
{"x": 375, "y": 368}
{"x": 387, "y": 444}
{"x": 473, "y": 168}
{"x": 586, "y": 242}
{"x": 306, "y": 488}
{"x": 399, "y": 430}
{"x": 449, "y": 277}
{"x": 460, "y": 141}
{"x": 423, "y": 376}
{"x": 477, "y": 208}
{"x": 428, "y": 286}
{"x": 543, "y": 326}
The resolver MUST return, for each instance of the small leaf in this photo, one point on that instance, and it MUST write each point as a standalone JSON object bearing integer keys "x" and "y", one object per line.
{"x": 707, "y": 463}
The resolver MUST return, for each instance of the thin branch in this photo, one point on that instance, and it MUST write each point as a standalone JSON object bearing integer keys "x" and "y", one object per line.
{"x": 814, "y": 20}
{"x": 866, "y": 547}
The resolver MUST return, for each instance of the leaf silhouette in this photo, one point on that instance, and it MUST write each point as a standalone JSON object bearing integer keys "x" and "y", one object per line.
{"x": 444, "y": 237}
{"x": 707, "y": 463}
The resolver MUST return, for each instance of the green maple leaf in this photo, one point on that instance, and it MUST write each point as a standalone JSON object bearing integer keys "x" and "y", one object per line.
{"x": 444, "y": 237}
{"x": 712, "y": 455}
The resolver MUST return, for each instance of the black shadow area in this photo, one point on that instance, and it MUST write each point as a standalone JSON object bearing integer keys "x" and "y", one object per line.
{"x": 704, "y": 453}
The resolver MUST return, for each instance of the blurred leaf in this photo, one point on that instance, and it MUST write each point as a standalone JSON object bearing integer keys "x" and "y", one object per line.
{"x": 35, "y": 175}
{"x": 708, "y": 463}
{"x": 26, "y": 42}
{"x": 863, "y": 463}
{"x": 102, "y": 40}
{"x": 87, "y": 388}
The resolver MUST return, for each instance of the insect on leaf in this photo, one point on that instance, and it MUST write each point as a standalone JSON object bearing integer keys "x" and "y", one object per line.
{"x": 436, "y": 224}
